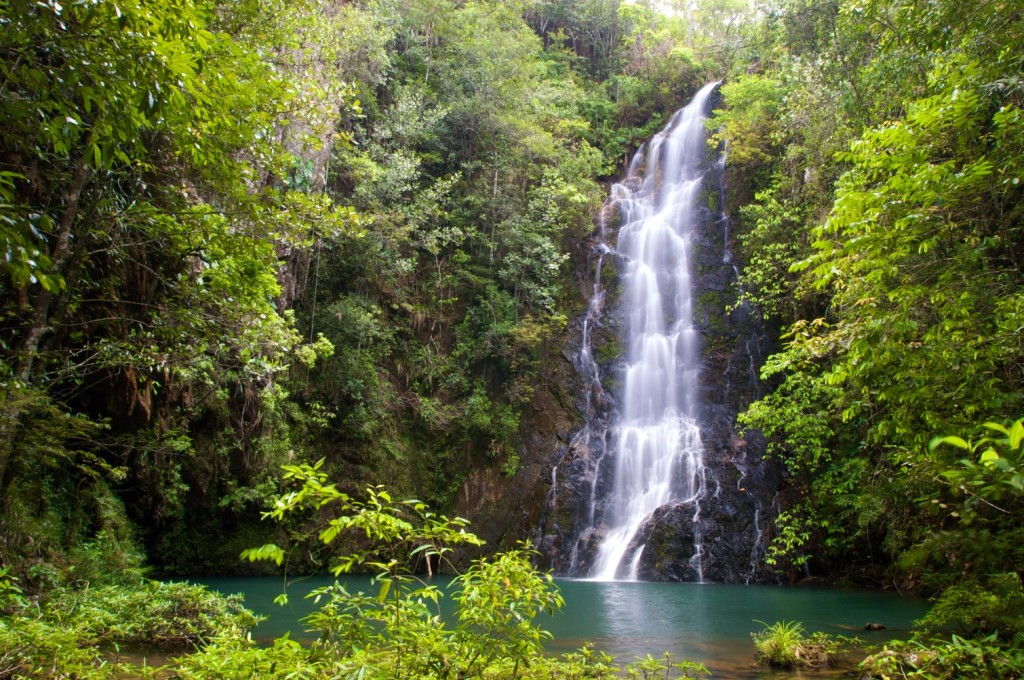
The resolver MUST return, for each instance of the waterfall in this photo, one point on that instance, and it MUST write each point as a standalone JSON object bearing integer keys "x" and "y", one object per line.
{"x": 657, "y": 482}
{"x": 658, "y": 453}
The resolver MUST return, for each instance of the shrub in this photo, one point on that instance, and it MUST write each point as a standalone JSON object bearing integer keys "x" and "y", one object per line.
{"x": 981, "y": 659}
{"x": 977, "y": 609}
{"x": 398, "y": 631}
{"x": 238, "y": 658}
{"x": 988, "y": 617}
{"x": 65, "y": 635}
{"x": 785, "y": 645}
{"x": 155, "y": 614}
{"x": 34, "y": 648}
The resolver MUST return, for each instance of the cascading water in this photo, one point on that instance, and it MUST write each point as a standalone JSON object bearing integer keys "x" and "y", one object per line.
{"x": 659, "y": 457}
{"x": 657, "y": 483}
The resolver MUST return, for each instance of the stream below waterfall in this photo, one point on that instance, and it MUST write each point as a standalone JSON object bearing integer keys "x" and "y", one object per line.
{"x": 706, "y": 623}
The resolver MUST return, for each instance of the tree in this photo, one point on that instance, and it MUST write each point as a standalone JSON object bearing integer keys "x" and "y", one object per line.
{"x": 919, "y": 262}
{"x": 143, "y": 199}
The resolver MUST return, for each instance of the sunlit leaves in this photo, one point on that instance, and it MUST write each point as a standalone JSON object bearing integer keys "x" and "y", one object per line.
{"x": 751, "y": 123}
{"x": 265, "y": 552}
{"x": 905, "y": 212}
{"x": 991, "y": 475}
{"x": 917, "y": 261}
{"x": 374, "y": 516}
{"x": 398, "y": 632}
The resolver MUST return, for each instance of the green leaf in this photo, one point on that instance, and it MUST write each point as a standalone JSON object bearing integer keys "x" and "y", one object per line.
{"x": 1016, "y": 435}
{"x": 988, "y": 457}
{"x": 952, "y": 440}
{"x": 265, "y": 552}
{"x": 997, "y": 427}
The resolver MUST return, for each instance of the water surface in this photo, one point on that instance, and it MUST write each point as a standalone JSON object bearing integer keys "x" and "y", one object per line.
{"x": 708, "y": 623}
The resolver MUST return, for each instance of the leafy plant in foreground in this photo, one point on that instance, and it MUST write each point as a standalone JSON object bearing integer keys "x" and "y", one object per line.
{"x": 982, "y": 499}
{"x": 398, "y": 631}
{"x": 651, "y": 668}
{"x": 64, "y": 634}
{"x": 785, "y": 645}
{"x": 945, "y": 660}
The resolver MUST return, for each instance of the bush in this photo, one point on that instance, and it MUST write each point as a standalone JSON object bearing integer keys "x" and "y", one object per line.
{"x": 153, "y": 614}
{"x": 976, "y": 609}
{"x": 238, "y": 658}
{"x": 989, "y": 619}
{"x": 954, "y": 659}
{"x": 65, "y": 635}
{"x": 34, "y": 648}
{"x": 784, "y": 645}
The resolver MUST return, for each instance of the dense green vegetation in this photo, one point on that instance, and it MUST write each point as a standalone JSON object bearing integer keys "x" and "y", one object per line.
{"x": 886, "y": 137}
{"x": 880, "y": 142}
{"x": 240, "y": 235}
{"x": 243, "y": 234}
{"x": 252, "y": 234}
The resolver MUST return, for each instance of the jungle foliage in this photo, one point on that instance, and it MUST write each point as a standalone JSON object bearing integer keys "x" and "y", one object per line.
{"x": 484, "y": 137}
{"x": 877, "y": 151}
{"x": 241, "y": 235}
{"x": 880, "y": 143}
{"x": 244, "y": 234}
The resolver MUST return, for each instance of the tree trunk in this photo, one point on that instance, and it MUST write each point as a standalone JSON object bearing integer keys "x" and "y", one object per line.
{"x": 59, "y": 257}
{"x": 15, "y": 401}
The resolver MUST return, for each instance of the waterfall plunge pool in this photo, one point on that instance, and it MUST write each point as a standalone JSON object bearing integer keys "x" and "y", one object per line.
{"x": 707, "y": 623}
